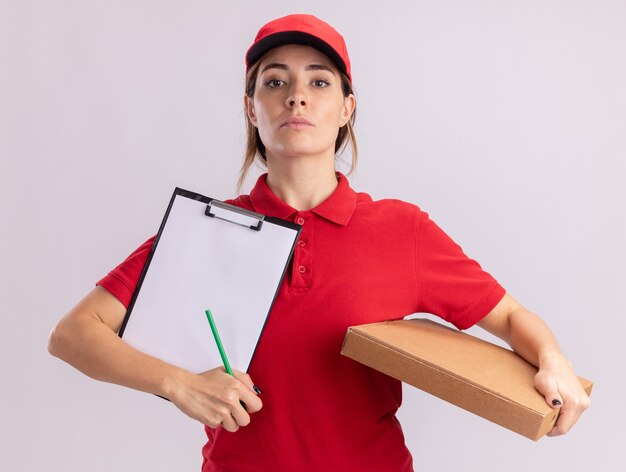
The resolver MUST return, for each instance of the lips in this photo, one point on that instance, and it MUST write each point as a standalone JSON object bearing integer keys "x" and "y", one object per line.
{"x": 296, "y": 122}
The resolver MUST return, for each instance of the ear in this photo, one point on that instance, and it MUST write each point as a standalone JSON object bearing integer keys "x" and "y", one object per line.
{"x": 349, "y": 104}
{"x": 248, "y": 103}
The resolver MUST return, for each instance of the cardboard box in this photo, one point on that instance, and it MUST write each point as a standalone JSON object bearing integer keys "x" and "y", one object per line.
{"x": 476, "y": 375}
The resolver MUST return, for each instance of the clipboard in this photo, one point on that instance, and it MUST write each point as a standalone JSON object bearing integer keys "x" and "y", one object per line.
{"x": 208, "y": 254}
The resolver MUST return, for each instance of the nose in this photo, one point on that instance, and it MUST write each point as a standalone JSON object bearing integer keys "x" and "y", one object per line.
{"x": 293, "y": 101}
{"x": 296, "y": 98}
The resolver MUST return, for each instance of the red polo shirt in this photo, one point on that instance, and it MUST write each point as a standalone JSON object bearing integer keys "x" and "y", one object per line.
{"x": 357, "y": 261}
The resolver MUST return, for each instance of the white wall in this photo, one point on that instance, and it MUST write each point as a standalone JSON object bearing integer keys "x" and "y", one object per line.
{"x": 505, "y": 120}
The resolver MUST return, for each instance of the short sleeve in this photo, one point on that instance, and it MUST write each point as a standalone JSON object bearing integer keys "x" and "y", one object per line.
{"x": 122, "y": 280}
{"x": 450, "y": 284}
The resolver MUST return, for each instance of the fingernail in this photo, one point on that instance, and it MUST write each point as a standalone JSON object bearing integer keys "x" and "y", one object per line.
{"x": 257, "y": 390}
{"x": 556, "y": 402}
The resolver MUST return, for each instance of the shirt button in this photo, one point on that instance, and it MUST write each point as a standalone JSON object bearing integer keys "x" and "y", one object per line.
{"x": 302, "y": 269}
{"x": 300, "y": 221}
{"x": 301, "y": 243}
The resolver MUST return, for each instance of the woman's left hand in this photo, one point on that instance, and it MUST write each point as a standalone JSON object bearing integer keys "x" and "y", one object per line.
{"x": 531, "y": 338}
{"x": 562, "y": 389}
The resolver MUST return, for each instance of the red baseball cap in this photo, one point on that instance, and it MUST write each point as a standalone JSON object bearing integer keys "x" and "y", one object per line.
{"x": 307, "y": 30}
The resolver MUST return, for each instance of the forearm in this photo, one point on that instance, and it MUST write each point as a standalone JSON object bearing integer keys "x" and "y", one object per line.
{"x": 213, "y": 397}
{"x": 93, "y": 348}
{"x": 86, "y": 339}
{"x": 530, "y": 337}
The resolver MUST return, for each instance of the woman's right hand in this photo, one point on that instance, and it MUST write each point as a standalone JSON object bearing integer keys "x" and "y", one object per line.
{"x": 213, "y": 398}
{"x": 87, "y": 339}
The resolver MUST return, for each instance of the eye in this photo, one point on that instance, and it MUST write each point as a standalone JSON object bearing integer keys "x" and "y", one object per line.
{"x": 274, "y": 83}
{"x": 321, "y": 83}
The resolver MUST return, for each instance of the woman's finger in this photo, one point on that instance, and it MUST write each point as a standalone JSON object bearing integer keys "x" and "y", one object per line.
{"x": 548, "y": 387}
{"x": 575, "y": 402}
{"x": 245, "y": 378}
{"x": 229, "y": 424}
{"x": 240, "y": 415}
{"x": 251, "y": 400}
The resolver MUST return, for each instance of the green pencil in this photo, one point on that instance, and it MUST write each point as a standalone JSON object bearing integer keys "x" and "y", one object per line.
{"x": 218, "y": 341}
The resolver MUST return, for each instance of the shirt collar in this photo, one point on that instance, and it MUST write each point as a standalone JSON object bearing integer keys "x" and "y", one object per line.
{"x": 337, "y": 208}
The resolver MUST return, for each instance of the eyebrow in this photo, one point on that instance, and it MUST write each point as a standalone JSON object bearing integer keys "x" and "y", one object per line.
{"x": 278, "y": 65}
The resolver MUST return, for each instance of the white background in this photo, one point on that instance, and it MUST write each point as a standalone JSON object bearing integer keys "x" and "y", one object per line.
{"x": 505, "y": 120}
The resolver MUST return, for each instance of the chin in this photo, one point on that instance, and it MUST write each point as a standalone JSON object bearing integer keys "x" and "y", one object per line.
{"x": 293, "y": 153}
{"x": 302, "y": 149}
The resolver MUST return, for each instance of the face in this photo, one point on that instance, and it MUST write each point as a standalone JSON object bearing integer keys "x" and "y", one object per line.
{"x": 298, "y": 104}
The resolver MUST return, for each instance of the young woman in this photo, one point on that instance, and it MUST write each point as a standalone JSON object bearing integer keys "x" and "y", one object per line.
{"x": 357, "y": 261}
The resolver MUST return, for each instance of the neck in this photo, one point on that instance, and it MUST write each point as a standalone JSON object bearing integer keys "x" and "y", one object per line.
{"x": 301, "y": 183}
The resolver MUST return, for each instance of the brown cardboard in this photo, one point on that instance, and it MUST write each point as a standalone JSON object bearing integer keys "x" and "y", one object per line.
{"x": 476, "y": 375}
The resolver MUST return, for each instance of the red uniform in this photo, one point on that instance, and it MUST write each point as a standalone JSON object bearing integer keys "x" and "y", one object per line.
{"x": 357, "y": 261}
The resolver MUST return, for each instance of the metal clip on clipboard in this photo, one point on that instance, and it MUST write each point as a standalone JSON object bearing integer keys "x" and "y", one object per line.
{"x": 233, "y": 214}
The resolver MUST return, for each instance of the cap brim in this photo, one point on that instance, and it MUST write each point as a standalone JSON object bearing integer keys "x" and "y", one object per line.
{"x": 292, "y": 37}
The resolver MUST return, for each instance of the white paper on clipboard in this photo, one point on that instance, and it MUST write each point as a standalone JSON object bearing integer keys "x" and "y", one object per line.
{"x": 232, "y": 263}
